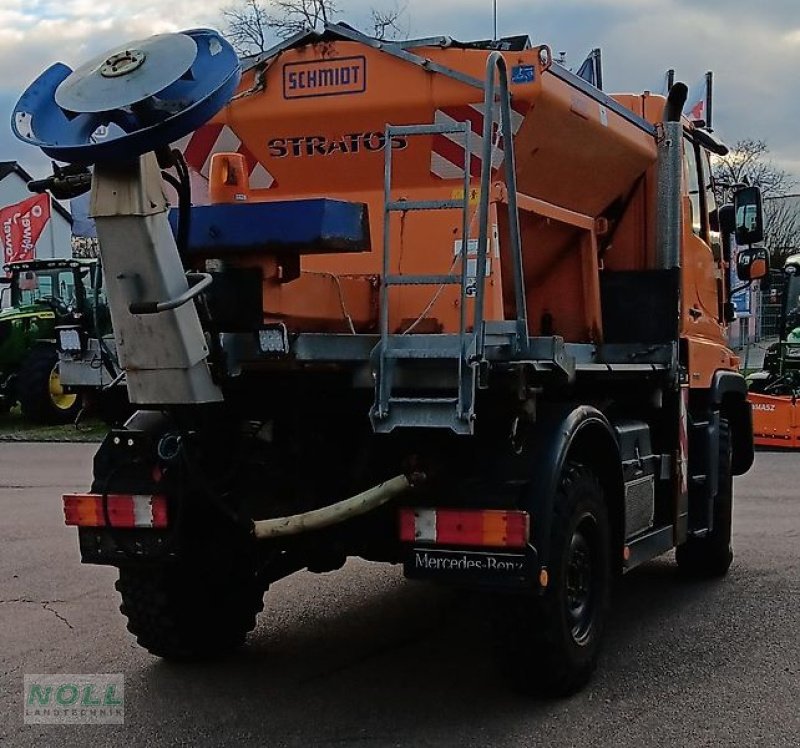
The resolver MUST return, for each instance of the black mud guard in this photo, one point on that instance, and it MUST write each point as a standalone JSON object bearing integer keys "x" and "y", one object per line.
{"x": 728, "y": 394}
{"x": 563, "y": 432}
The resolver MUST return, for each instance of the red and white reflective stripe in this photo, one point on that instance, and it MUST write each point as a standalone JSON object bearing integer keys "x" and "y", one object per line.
{"x": 448, "y": 154}
{"x": 494, "y": 528}
{"x": 203, "y": 143}
{"x": 121, "y": 510}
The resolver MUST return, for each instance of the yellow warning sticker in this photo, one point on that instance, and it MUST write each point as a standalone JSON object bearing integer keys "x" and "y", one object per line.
{"x": 474, "y": 194}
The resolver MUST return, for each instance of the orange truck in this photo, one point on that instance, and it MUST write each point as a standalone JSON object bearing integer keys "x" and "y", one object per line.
{"x": 446, "y": 305}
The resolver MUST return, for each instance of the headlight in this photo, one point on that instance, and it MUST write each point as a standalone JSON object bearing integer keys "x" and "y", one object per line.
{"x": 69, "y": 340}
{"x": 793, "y": 351}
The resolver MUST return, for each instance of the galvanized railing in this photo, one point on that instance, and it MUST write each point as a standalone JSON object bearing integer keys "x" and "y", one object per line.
{"x": 470, "y": 348}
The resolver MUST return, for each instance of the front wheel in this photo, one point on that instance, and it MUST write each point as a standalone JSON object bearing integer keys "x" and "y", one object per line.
{"x": 549, "y": 644}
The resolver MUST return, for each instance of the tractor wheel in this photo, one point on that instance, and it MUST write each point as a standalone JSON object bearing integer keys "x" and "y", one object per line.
{"x": 191, "y": 611}
{"x": 41, "y": 396}
{"x": 549, "y": 644}
{"x": 711, "y": 555}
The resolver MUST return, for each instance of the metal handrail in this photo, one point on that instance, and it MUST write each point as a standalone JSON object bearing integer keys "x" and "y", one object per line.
{"x": 496, "y": 63}
{"x": 203, "y": 281}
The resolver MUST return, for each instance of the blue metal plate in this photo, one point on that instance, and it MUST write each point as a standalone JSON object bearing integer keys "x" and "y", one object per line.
{"x": 318, "y": 226}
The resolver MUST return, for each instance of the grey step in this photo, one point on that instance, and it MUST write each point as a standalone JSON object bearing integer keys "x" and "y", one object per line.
{"x": 404, "y": 205}
{"x": 425, "y": 346}
{"x": 423, "y": 401}
{"x": 428, "y": 129}
{"x": 422, "y": 413}
{"x": 422, "y": 280}
{"x": 423, "y": 353}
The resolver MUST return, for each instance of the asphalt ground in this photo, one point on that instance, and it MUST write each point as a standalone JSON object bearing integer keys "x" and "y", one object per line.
{"x": 363, "y": 657}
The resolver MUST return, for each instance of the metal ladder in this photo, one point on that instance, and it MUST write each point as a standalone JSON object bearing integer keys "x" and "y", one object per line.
{"x": 455, "y": 412}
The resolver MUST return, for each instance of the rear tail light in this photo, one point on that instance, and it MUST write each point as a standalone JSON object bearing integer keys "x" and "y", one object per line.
{"x": 115, "y": 510}
{"x": 494, "y": 528}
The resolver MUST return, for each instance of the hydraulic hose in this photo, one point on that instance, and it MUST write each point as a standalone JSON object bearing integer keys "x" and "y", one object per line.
{"x": 317, "y": 519}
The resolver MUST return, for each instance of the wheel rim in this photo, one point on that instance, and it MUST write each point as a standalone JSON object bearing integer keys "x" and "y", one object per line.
{"x": 581, "y": 575}
{"x": 62, "y": 400}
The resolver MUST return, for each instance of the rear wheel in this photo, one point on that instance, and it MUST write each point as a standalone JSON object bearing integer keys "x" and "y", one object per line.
{"x": 711, "y": 555}
{"x": 185, "y": 611}
{"x": 549, "y": 644}
{"x": 41, "y": 396}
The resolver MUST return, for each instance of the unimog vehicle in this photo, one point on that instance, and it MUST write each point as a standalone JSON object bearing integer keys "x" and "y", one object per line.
{"x": 437, "y": 304}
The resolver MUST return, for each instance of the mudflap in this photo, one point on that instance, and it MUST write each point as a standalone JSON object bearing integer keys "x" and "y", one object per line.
{"x": 481, "y": 568}
{"x": 776, "y": 421}
{"x": 115, "y": 547}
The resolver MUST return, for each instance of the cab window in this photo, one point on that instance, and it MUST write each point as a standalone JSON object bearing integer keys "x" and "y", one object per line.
{"x": 710, "y": 212}
{"x": 693, "y": 186}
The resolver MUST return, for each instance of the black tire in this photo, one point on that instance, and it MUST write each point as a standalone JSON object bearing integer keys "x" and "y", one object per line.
{"x": 38, "y": 388}
{"x": 711, "y": 555}
{"x": 184, "y": 611}
{"x": 549, "y": 644}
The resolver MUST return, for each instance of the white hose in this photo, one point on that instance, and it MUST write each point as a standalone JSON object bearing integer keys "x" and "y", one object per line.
{"x": 362, "y": 503}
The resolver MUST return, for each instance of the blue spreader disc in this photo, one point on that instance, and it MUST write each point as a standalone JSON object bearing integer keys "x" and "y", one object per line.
{"x": 131, "y": 100}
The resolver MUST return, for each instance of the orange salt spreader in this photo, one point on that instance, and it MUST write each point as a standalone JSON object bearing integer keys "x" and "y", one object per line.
{"x": 433, "y": 303}
{"x": 774, "y": 390}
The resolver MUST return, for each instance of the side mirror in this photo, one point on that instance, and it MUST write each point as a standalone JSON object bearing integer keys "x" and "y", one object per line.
{"x": 752, "y": 264}
{"x": 749, "y": 227}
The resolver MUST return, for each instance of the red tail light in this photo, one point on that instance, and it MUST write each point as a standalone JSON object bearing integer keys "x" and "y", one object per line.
{"x": 122, "y": 510}
{"x": 492, "y": 528}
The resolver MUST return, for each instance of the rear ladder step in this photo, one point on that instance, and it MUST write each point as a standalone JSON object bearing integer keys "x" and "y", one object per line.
{"x": 423, "y": 346}
{"x": 423, "y": 412}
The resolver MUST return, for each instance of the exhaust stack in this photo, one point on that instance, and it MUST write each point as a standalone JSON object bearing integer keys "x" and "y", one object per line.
{"x": 670, "y": 172}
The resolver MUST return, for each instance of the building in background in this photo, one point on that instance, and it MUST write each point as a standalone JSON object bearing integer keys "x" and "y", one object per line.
{"x": 55, "y": 239}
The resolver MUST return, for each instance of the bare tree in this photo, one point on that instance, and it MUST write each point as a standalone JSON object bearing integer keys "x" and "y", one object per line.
{"x": 251, "y": 25}
{"x": 749, "y": 163}
{"x": 247, "y": 26}
{"x": 782, "y": 227}
{"x": 389, "y": 23}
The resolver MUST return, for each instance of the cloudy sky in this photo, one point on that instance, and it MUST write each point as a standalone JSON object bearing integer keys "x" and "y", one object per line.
{"x": 752, "y": 47}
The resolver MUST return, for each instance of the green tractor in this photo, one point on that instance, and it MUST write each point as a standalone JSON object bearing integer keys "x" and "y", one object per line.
{"x": 44, "y": 295}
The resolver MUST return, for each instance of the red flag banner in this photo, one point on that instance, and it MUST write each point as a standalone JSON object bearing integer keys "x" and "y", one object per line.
{"x": 21, "y": 225}
{"x": 698, "y": 102}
